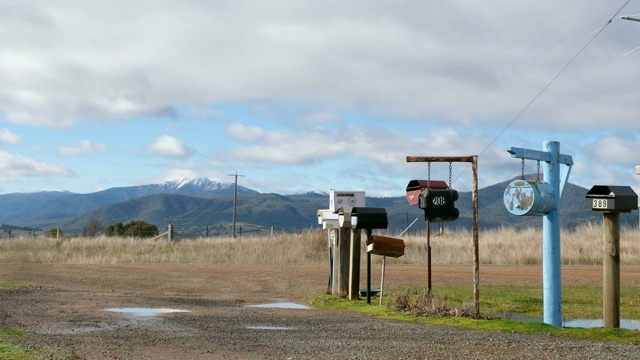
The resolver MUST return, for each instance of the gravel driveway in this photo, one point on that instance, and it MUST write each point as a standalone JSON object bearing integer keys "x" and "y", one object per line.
{"x": 64, "y": 314}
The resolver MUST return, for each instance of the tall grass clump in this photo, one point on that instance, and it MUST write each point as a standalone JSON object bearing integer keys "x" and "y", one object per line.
{"x": 421, "y": 302}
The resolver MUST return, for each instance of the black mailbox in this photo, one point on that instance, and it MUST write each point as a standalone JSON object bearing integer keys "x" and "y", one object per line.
{"x": 369, "y": 218}
{"x": 439, "y": 205}
{"x": 610, "y": 198}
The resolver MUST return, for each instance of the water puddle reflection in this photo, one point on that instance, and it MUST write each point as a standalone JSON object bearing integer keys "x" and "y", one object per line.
{"x": 144, "y": 311}
{"x": 579, "y": 323}
{"x": 281, "y": 305}
{"x": 270, "y": 328}
{"x": 598, "y": 323}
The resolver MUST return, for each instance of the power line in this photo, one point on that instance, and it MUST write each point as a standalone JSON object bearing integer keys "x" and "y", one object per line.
{"x": 552, "y": 80}
{"x": 547, "y": 86}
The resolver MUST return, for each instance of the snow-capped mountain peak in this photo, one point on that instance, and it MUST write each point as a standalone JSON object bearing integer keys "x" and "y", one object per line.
{"x": 190, "y": 185}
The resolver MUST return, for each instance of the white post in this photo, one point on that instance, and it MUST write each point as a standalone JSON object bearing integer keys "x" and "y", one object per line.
{"x": 384, "y": 264}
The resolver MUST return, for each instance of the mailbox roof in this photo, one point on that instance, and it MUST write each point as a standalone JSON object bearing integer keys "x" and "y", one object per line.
{"x": 426, "y": 184}
{"x": 611, "y": 191}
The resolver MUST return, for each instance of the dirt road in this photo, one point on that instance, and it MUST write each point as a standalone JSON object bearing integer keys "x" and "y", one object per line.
{"x": 64, "y": 313}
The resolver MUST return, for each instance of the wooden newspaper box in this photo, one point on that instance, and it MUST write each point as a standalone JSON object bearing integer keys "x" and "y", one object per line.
{"x": 386, "y": 246}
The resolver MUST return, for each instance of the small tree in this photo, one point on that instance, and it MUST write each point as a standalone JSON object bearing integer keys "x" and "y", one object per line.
{"x": 54, "y": 233}
{"x": 94, "y": 228}
{"x": 135, "y": 228}
{"x": 140, "y": 229}
{"x": 115, "y": 230}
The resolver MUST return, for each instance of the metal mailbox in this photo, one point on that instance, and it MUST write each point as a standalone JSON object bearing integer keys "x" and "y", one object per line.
{"x": 386, "y": 246}
{"x": 415, "y": 187}
{"x": 369, "y": 218}
{"x": 525, "y": 197}
{"x": 611, "y": 198}
{"x": 439, "y": 205}
{"x": 328, "y": 219}
{"x": 345, "y": 199}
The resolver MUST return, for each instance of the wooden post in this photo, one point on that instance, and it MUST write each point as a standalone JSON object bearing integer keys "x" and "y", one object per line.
{"x": 343, "y": 262}
{"x": 476, "y": 246}
{"x": 354, "y": 265}
{"x": 611, "y": 271}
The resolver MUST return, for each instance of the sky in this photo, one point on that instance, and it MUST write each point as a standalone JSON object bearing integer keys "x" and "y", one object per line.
{"x": 300, "y": 96}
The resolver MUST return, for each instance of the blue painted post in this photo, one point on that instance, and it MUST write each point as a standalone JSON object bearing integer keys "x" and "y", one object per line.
{"x": 544, "y": 199}
{"x": 551, "y": 257}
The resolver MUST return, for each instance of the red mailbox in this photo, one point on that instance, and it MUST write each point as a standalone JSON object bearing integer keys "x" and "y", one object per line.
{"x": 416, "y": 187}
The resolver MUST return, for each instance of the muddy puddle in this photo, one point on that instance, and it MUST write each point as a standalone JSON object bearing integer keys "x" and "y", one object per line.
{"x": 281, "y": 305}
{"x": 276, "y": 328}
{"x": 135, "y": 311}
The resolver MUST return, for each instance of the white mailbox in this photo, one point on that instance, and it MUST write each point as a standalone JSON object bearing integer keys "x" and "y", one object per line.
{"x": 345, "y": 199}
{"x": 328, "y": 219}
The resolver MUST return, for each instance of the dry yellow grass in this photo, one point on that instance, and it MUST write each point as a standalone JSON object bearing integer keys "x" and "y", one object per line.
{"x": 504, "y": 246}
{"x": 507, "y": 246}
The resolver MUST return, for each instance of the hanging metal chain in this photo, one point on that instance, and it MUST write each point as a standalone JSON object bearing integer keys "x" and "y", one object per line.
{"x": 429, "y": 175}
{"x": 450, "y": 171}
{"x": 538, "y": 173}
{"x": 522, "y": 175}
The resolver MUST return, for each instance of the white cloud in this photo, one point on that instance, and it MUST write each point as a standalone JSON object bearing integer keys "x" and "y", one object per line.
{"x": 321, "y": 118}
{"x": 382, "y": 146}
{"x": 7, "y": 137}
{"x": 303, "y": 84}
{"x": 84, "y": 147}
{"x": 421, "y": 58}
{"x": 169, "y": 146}
{"x": 616, "y": 149}
{"x": 248, "y": 133}
{"x": 17, "y": 165}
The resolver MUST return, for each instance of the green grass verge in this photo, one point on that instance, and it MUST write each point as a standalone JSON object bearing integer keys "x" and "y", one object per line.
{"x": 11, "y": 286}
{"x": 579, "y": 302}
{"x": 8, "y": 349}
{"x": 8, "y": 338}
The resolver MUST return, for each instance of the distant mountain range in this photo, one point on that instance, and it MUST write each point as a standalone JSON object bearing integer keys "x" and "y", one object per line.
{"x": 199, "y": 207}
{"x": 47, "y": 209}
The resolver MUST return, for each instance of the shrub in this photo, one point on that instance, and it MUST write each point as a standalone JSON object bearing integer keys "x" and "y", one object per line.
{"x": 135, "y": 228}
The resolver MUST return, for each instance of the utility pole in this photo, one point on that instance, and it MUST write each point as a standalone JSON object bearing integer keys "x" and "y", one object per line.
{"x": 235, "y": 201}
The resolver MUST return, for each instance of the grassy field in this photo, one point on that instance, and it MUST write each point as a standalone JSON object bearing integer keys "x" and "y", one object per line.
{"x": 505, "y": 246}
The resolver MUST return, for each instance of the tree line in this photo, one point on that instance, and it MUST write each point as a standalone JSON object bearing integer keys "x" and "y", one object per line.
{"x": 135, "y": 228}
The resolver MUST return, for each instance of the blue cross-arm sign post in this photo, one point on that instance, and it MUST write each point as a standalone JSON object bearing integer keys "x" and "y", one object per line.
{"x": 545, "y": 157}
{"x": 550, "y": 159}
